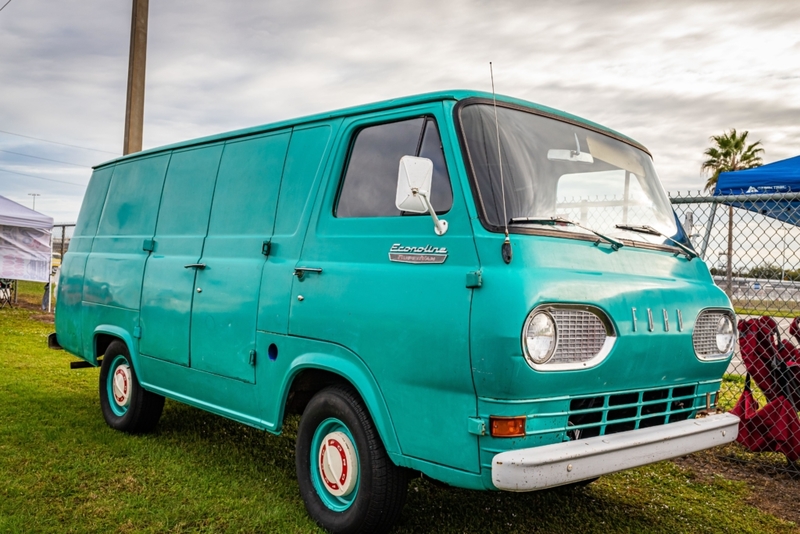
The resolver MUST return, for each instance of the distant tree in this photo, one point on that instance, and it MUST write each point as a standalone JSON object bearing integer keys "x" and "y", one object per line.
{"x": 721, "y": 271}
{"x": 730, "y": 153}
{"x": 766, "y": 272}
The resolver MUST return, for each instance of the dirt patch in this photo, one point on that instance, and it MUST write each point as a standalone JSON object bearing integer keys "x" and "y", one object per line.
{"x": 773, "y": 488}
{"x": 22, "y": 302}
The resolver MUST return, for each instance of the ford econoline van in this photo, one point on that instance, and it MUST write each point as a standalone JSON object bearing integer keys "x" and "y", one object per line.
{"x": 492, "y": 293}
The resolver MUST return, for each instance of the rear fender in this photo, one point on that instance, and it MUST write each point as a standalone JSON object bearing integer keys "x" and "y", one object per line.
{"x": 119, "y": 333}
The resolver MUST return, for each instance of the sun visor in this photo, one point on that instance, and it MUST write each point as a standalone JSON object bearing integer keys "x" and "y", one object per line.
{"x": 610, "y": 152}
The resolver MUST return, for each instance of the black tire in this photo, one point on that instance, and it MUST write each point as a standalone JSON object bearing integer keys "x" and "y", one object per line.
{"x": 380, "y": 487}
{"x": 135, "y": 410}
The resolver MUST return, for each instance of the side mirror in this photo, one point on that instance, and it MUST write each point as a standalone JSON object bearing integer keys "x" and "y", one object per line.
{"x": 413, "y": 189}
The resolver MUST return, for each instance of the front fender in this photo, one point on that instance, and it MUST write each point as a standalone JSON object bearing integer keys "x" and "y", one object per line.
{"x": 354, "y": 370}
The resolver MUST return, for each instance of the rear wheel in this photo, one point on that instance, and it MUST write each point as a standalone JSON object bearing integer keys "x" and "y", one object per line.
{"x": 346, "y": 478}
{"x": 126, "y": 405}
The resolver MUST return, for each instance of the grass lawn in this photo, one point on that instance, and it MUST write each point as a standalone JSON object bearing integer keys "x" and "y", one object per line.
{"x": 63, "y": 470}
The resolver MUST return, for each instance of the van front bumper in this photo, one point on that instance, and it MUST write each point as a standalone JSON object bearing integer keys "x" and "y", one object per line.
{"x": 564, "y": 463}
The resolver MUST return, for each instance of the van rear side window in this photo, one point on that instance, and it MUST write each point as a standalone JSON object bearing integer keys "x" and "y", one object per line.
{"x": 370, "y": 182}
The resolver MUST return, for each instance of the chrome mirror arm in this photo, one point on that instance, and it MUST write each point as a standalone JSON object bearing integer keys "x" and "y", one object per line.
{"x": 440, "y": 225}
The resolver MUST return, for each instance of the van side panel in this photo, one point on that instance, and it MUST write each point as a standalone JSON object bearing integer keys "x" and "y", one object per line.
{"x": 70, "y": 288}
{"x": 242, "y": 218}
{"x": 115, "y": 265}
{"x": 308, "y": 151}
{"x": 222, "y": 377}
{"x": 168, "y": 286}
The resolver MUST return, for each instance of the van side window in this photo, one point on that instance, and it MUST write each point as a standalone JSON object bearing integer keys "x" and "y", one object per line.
{"x": 370, "y": 181}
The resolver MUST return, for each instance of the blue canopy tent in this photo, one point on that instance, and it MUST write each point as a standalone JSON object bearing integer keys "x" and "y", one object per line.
{"x": 772, "y": 189}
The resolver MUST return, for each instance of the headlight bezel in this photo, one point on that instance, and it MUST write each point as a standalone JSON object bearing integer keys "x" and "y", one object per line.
{"x": 701, "y": 331}
{"x": 601, "y": 327}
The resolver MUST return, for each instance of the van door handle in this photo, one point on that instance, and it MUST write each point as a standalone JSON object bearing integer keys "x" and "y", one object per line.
{"x": 199, "y": 266}
{"x": 299, "y": 272}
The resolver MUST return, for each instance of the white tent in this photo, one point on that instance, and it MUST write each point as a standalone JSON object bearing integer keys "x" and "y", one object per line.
{"x": 25, "y": 243}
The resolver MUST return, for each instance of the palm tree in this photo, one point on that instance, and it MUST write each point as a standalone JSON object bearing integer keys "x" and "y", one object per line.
{"x": 731, "y": 153}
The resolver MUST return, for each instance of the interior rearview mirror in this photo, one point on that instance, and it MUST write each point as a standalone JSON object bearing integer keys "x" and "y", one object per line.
{"x": 575, "y": 156}
{"x": 413, "y": 189}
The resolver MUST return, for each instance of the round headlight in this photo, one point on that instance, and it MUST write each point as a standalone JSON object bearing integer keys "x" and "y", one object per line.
{"x": 539, "y": 337}
{"x": 725, "y": 337}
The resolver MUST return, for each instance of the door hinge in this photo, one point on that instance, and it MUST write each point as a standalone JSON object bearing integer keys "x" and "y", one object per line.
{"x": 137, "y": 332}
{"x": 252, "y": 357}
{"x": 477, "y": 426}
{"x": 149, "y": 245}
{"x": 474, "y": 279}
{"x": 265, "y": 247}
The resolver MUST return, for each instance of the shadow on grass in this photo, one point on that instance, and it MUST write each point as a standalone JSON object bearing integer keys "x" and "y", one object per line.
{"x": 437, "y": 508}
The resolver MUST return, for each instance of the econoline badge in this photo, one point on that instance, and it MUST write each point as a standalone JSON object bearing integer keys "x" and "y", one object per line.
{"x": 427, "y": 254}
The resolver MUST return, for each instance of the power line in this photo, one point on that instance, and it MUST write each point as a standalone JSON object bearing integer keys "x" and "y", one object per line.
{"x": 46, "y": 159}
{"x": 4, "y": 5}
{"x": 56, "y": 142}
{"x": 41, "y": 178}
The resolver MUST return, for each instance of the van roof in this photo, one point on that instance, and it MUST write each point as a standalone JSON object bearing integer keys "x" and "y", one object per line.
{"x": 454, "y": 95}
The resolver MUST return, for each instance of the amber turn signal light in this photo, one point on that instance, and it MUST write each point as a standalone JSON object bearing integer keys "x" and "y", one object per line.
{"x": 507, "y": 427}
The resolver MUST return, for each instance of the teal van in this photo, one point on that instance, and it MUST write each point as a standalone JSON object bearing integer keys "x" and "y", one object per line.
{"x": 495, "y": 294}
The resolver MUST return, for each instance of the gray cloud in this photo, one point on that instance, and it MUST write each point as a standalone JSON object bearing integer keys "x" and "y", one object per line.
{"x": 668, "y": 73}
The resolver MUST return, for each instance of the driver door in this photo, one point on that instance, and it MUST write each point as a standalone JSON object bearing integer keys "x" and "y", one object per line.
{"x": 383, "y": 284}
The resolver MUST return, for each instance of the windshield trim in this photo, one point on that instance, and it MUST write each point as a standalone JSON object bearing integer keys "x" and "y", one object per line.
{"x": 473, "y": 182}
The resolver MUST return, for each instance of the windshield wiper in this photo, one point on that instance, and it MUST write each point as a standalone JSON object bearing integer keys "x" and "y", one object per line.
{"x": 552, "y": 221}
{"x": 644, "y": 229}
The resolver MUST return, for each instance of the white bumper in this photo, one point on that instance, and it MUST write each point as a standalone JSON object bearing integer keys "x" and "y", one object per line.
{"x": 563, "y": 463}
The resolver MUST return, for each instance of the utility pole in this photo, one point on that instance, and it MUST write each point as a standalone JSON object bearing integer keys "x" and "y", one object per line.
{"x": 134, "y": 108}
{"x": 34, "y": 195}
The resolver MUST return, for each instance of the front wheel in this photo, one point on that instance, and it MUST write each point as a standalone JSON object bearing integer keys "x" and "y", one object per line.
{"x": 347, "y": 481}
{"x": 126, "y": 405}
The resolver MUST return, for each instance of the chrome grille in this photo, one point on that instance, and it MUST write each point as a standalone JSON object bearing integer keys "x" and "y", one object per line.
{"x": 704, "y": 337}
{"x": 581, "y": 335}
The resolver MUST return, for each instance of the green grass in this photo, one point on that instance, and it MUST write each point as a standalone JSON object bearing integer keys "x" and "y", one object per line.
{"x": 63, "y": 470}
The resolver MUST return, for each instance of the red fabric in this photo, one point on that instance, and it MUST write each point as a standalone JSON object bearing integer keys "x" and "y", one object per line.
{"x": 756, "y": 345}
{"x": 794, "y": 328}
{"x": 775, "y": 427}
{"x": 793, "y": 380}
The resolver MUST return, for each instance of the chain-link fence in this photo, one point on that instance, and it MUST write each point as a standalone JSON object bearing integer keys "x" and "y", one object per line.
{"x": 751, "y": 243}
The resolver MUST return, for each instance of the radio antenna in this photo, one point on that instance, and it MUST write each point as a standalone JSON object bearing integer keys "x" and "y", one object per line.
{"x": 506, "y": 247}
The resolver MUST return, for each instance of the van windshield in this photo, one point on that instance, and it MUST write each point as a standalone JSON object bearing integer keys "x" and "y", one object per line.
{"x": 553, "y": 168}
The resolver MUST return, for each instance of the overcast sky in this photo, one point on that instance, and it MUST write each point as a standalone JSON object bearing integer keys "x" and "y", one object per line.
{"x": 669, "y": 74}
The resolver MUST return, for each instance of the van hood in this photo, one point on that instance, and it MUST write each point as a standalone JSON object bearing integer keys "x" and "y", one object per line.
{"x": 622, "y": 284}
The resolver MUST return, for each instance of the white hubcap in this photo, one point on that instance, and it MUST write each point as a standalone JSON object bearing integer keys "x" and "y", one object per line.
{"x": 337, "y": 464}
{"x": 121, "y": 385}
